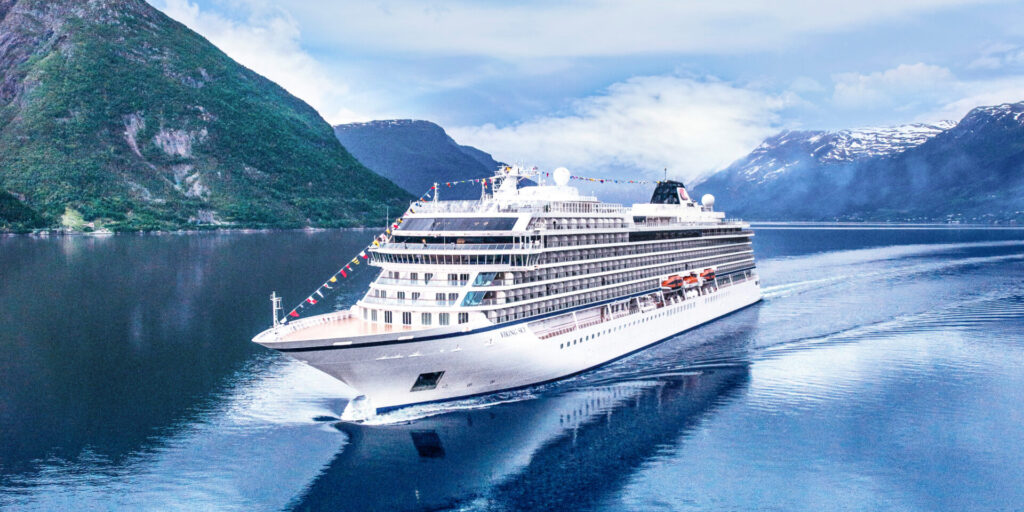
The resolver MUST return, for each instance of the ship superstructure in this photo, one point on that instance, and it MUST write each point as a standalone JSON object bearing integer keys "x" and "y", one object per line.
{"x": 526, "y": 285}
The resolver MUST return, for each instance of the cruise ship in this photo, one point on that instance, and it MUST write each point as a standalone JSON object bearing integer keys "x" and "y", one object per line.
{"x": 527, "y": 285}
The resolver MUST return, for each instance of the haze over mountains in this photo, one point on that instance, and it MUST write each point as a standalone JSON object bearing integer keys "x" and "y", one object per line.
{"x": 113, "y": 115}
{"x": 416, "y": 154}
{"x": 970, "y": 171}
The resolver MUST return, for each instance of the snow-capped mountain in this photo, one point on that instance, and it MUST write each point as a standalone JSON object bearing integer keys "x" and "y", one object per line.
{"x": 790, "y": 149}
{"x": 972, "y": 170}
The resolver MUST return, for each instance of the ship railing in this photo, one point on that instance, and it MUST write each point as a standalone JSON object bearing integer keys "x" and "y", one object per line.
{"x": 387, "y": 301}
{"x": 421, "y": 282}
{"x": 582, "y": 204}
{"x": 556, "y": 332}
{"x": 460, "y": 247}
{"x": 297, "y": 325}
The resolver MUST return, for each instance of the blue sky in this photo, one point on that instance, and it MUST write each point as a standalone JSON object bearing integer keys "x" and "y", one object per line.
{"x": 626, "y": 87}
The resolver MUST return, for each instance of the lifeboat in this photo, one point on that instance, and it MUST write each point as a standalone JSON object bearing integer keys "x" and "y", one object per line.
{"x": 672, "y": 283}
{"x": 691, "y": 281}
{"x": 708, "y": 274}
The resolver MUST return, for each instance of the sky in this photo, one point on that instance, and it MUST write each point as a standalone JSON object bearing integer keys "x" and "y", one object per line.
{"x": 628, "y": 88}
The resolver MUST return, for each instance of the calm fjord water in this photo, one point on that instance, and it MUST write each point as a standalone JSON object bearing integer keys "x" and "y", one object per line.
{"x": 883, "y": 371}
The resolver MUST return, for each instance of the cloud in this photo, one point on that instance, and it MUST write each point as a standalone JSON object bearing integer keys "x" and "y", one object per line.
{"x": 975, "y": 93}
{"x": 690, "y": 126}
{"x": 268, "y": 43}
{"x": 561, "y": 28}
{"x": 998, "y": 56}
{"x": 897, "y": 87}
{"x": 934, "y": 92}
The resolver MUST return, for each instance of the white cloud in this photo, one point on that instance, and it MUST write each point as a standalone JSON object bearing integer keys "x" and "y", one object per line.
{"x": 970, "y": 94}
{"x": 998, "y": 56}
{"x": 897, "y": 87}
{"x": 693, "y": 127}
{"x": 932, "y": 91}
{"x": 268, "y": 43}
{"x": 591, "y": 28}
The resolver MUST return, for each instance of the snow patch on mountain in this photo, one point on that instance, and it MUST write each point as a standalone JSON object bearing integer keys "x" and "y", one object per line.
{"x": 790, "y": 149}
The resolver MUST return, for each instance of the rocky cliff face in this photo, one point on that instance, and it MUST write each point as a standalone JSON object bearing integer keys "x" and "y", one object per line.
{"x": 966, "y": 171}
{"x": 112, "y": 110}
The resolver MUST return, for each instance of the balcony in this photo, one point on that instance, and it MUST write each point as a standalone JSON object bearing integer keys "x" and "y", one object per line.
{"x": 498, "y": 248}
{"x": 389, "y": 301}
{"x": 420, "y": 282}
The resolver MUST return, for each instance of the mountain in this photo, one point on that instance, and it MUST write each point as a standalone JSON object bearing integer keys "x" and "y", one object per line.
{"x": 415, "y": 154}
{"x": 15, "y": 216}
{"x": 112, "y": 113}
{"x": 967, "y": 171}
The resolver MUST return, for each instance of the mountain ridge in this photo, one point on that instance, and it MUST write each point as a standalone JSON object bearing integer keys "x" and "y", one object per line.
{"x": 415, "y": 154}
{"x": 919, "y": 173}
{"x": 113, "y": 111}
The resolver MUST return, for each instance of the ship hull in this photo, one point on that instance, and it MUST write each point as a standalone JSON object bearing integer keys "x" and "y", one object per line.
{"x": 508, "y": 356}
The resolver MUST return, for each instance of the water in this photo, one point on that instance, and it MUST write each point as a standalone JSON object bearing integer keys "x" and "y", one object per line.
{"x": 883, "y": 371}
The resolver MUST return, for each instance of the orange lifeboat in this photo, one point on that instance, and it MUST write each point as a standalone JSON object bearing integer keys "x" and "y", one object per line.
{"x": 690, "y": 280}
{"x": 672, "y": 283}
{"x": 708, "y": 274}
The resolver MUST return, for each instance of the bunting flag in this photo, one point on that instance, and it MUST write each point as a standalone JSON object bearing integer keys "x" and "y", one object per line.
{"x": 294, "y": 314}
{"x": 311, "y": 300}
{"x": 334, "y": 279}
{"x": 343, "y": 274}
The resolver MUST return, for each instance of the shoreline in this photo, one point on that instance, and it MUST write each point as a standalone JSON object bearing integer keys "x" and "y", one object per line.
{"x": 56, "y": 233}
{"x": 768, "y": 224}
{"x": 759, "y": 224}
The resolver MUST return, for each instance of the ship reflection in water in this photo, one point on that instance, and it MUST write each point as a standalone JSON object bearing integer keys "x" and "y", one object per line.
{"x": 569, "y": 450}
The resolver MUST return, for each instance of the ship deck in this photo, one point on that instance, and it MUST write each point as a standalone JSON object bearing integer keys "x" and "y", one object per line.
{"x": 342, "y": 327}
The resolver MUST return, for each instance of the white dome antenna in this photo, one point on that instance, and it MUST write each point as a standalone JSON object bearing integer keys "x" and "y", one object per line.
{"x": 561, "y": 176}
{"x": 708, "y": 201}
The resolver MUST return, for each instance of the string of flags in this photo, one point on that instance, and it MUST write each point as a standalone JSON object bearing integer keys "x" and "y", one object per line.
{"x": 349, "y": 267}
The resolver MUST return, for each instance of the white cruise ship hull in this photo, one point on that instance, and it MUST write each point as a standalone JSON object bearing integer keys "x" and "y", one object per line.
{"x": 506, "y": 356}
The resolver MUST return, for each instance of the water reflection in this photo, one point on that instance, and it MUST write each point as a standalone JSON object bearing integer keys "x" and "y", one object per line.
{"x": 570, "y": 449}
{"x": 878, "y": 368}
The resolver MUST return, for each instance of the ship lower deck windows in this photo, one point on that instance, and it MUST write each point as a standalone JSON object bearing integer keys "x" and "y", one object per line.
{"x": 427, "y": 381}
{"x": 387, "y": 317}
{"x": 442, "y": 319}
{"x": 406, "y": 318}
{"x": 425, "y": 319}
{"x": 463, "y": 318}
{"x": 373, "y": 315}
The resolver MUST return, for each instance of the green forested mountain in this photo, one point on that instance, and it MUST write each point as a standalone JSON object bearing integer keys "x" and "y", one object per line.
{"x": 113, "y": 114}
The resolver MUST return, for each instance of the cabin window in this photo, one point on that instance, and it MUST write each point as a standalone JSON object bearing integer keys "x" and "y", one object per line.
{"x": 452, "y": 297}
{"x": 387, "y": 317}
{"x": 463, "y": 318}
{"x": 427, "y": 381}
{"x": 373, "y": 315}
{"x": 406, "y": 318}
{"x": 425, "y": 319}
{"x": 442, "y": 319}
{"x": 401, "y": 295}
